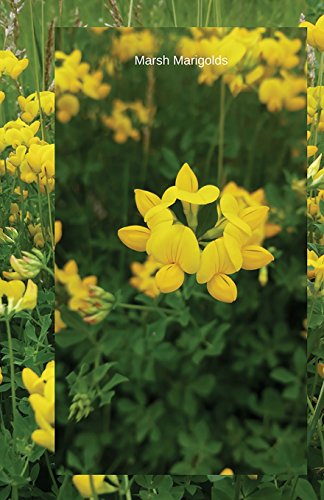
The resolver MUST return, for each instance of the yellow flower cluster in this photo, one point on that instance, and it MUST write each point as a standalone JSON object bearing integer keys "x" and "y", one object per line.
{"x": 315, "y": 33}
{"x": 254, "y": 61}
{"x": 121, "y": 123}
{"x": 30, "y": 156}
{"x": 89, "y": 300}
{"x": 15, "y": 296}
{"x": 77, "y": 288}
{"x": 315, "y": 116}
{"x": 231, "y": 244}
{"x": 129, "y": 43}
{"x": 143, "y": 278}
{"x": 10, "y": 65}
{"x": 72, "y": 77}
{"x": 30, "y": 106}
{"x": 42, "y": 400}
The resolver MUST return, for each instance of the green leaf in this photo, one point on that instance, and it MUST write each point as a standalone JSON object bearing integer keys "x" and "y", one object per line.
{"x": 305, "y": 490}
{"x": 207, "y": 218}
{"x": 283, "y": 375}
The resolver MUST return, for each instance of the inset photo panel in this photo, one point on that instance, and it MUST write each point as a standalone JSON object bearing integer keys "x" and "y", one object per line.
{"x": 181, "y": 247}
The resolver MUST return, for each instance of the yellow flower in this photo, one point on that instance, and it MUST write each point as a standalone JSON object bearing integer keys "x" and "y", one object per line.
{"x": 10, "y": 65}
{"x": 83, "y": 484}
{"x": 227, "y": 472}
{"x": 2, "y": 96}
{"x": 1, "y": 376}
{"x": 18, "y": 297}
{"x": 42, "y": 401}
{"x": 67, "y": 106}
{"x": 30, "y": 105}
{"x": 315, "y": 33}
{"x": 144, "y": 276}
{"x": 315, "y": 268}
{"x": 214, "y": 269}
{"x": 58, "y": 322}
{"x": 58, "y": 231}
{"x": 176, "y": 247}
{"x": 134, "y": 42}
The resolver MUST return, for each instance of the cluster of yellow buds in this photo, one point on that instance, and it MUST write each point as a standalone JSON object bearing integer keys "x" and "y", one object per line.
{"x": 89, "y": 486}
{"x": 315, "y": 268}
{"x": 131, "y": 42}
{"x": 72, "y": 77}
{"x": 30, "y": 106}
{"x": 42, "y": 400}
{"x": 28, "y": 267}
{"x": 15, "y": 296}
{"x": 254, "y": 60}
{"x": 231, "y": 243}
{"x": 8, "y": 235}
{"x": 10, "y": 65}
{"x": 120, "y": 121}
{"x": 92, "y": 302}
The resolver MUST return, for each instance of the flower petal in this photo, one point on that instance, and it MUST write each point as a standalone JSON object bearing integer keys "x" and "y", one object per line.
{"x": 134, "y": 237}
{"x": 222, "y": 288}
{"x": 145, "y": 200}
{"x": 186, "y": 179}
{"x": 255, "y": 257}
{"x": 169, "y": 278}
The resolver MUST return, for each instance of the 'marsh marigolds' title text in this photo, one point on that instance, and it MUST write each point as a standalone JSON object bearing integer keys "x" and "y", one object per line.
{"x": 165, "y": 60}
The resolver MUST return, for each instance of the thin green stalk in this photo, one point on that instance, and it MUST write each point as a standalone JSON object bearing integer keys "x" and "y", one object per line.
{"x": 316, "y": 416}
{"x": 14, "y": 493}
{"x": 208, "y": 12}
{"x": 221, "y": 132}
{"x": 136, "y": 307}
{"x": 55, "y": 487}
{"x": 93, "y": 490}
{"x": 43, "y": 41}
{"x": 127, "y": 489}
{"x": 237, "y": 488}
{"x": 198, "y": 12}
{"x": 40, "y": 208}
{"x": 50, "y": 219}
{"x": 130, "y": 13}
{"x": 319, "y": 84}
{"x": 36, "y": 65}
{"x": 292, "y": 495}
{"x": 62, "y": 487}
{"x": 218, "y": 12}
{"x": 12, "y": 380}
{"x": 174, "y": 14}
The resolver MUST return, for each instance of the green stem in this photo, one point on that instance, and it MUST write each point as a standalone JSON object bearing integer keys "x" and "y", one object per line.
{"x": 62, "y": 487}
{"x": 12, "y": 381}
{"x": 198, "y": 12}
{"x": 40, "y": 208}
{"x": 317, "y": 413}
{"x": 218, "y": 12}
{"x": 208, "y": 12}
{"x": 292, "y": 496}
{"x": 14, "y": 493}
{"x": 36, "y": 65}
{"x": 130, "y": 13}
{"x": 237, "y": 488}
{"x": 221, "y": 133}
{"x": 147, "y": 308}
{"x": 174, "y": 14}
{"x": 127, "y": 489}
{"x": 43, "y": 41}
{"x": 51, "y": 229}
{"x": 93, "y": 491}
{"x": 55, "y": 487}
{"x": 319, "y": 84}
